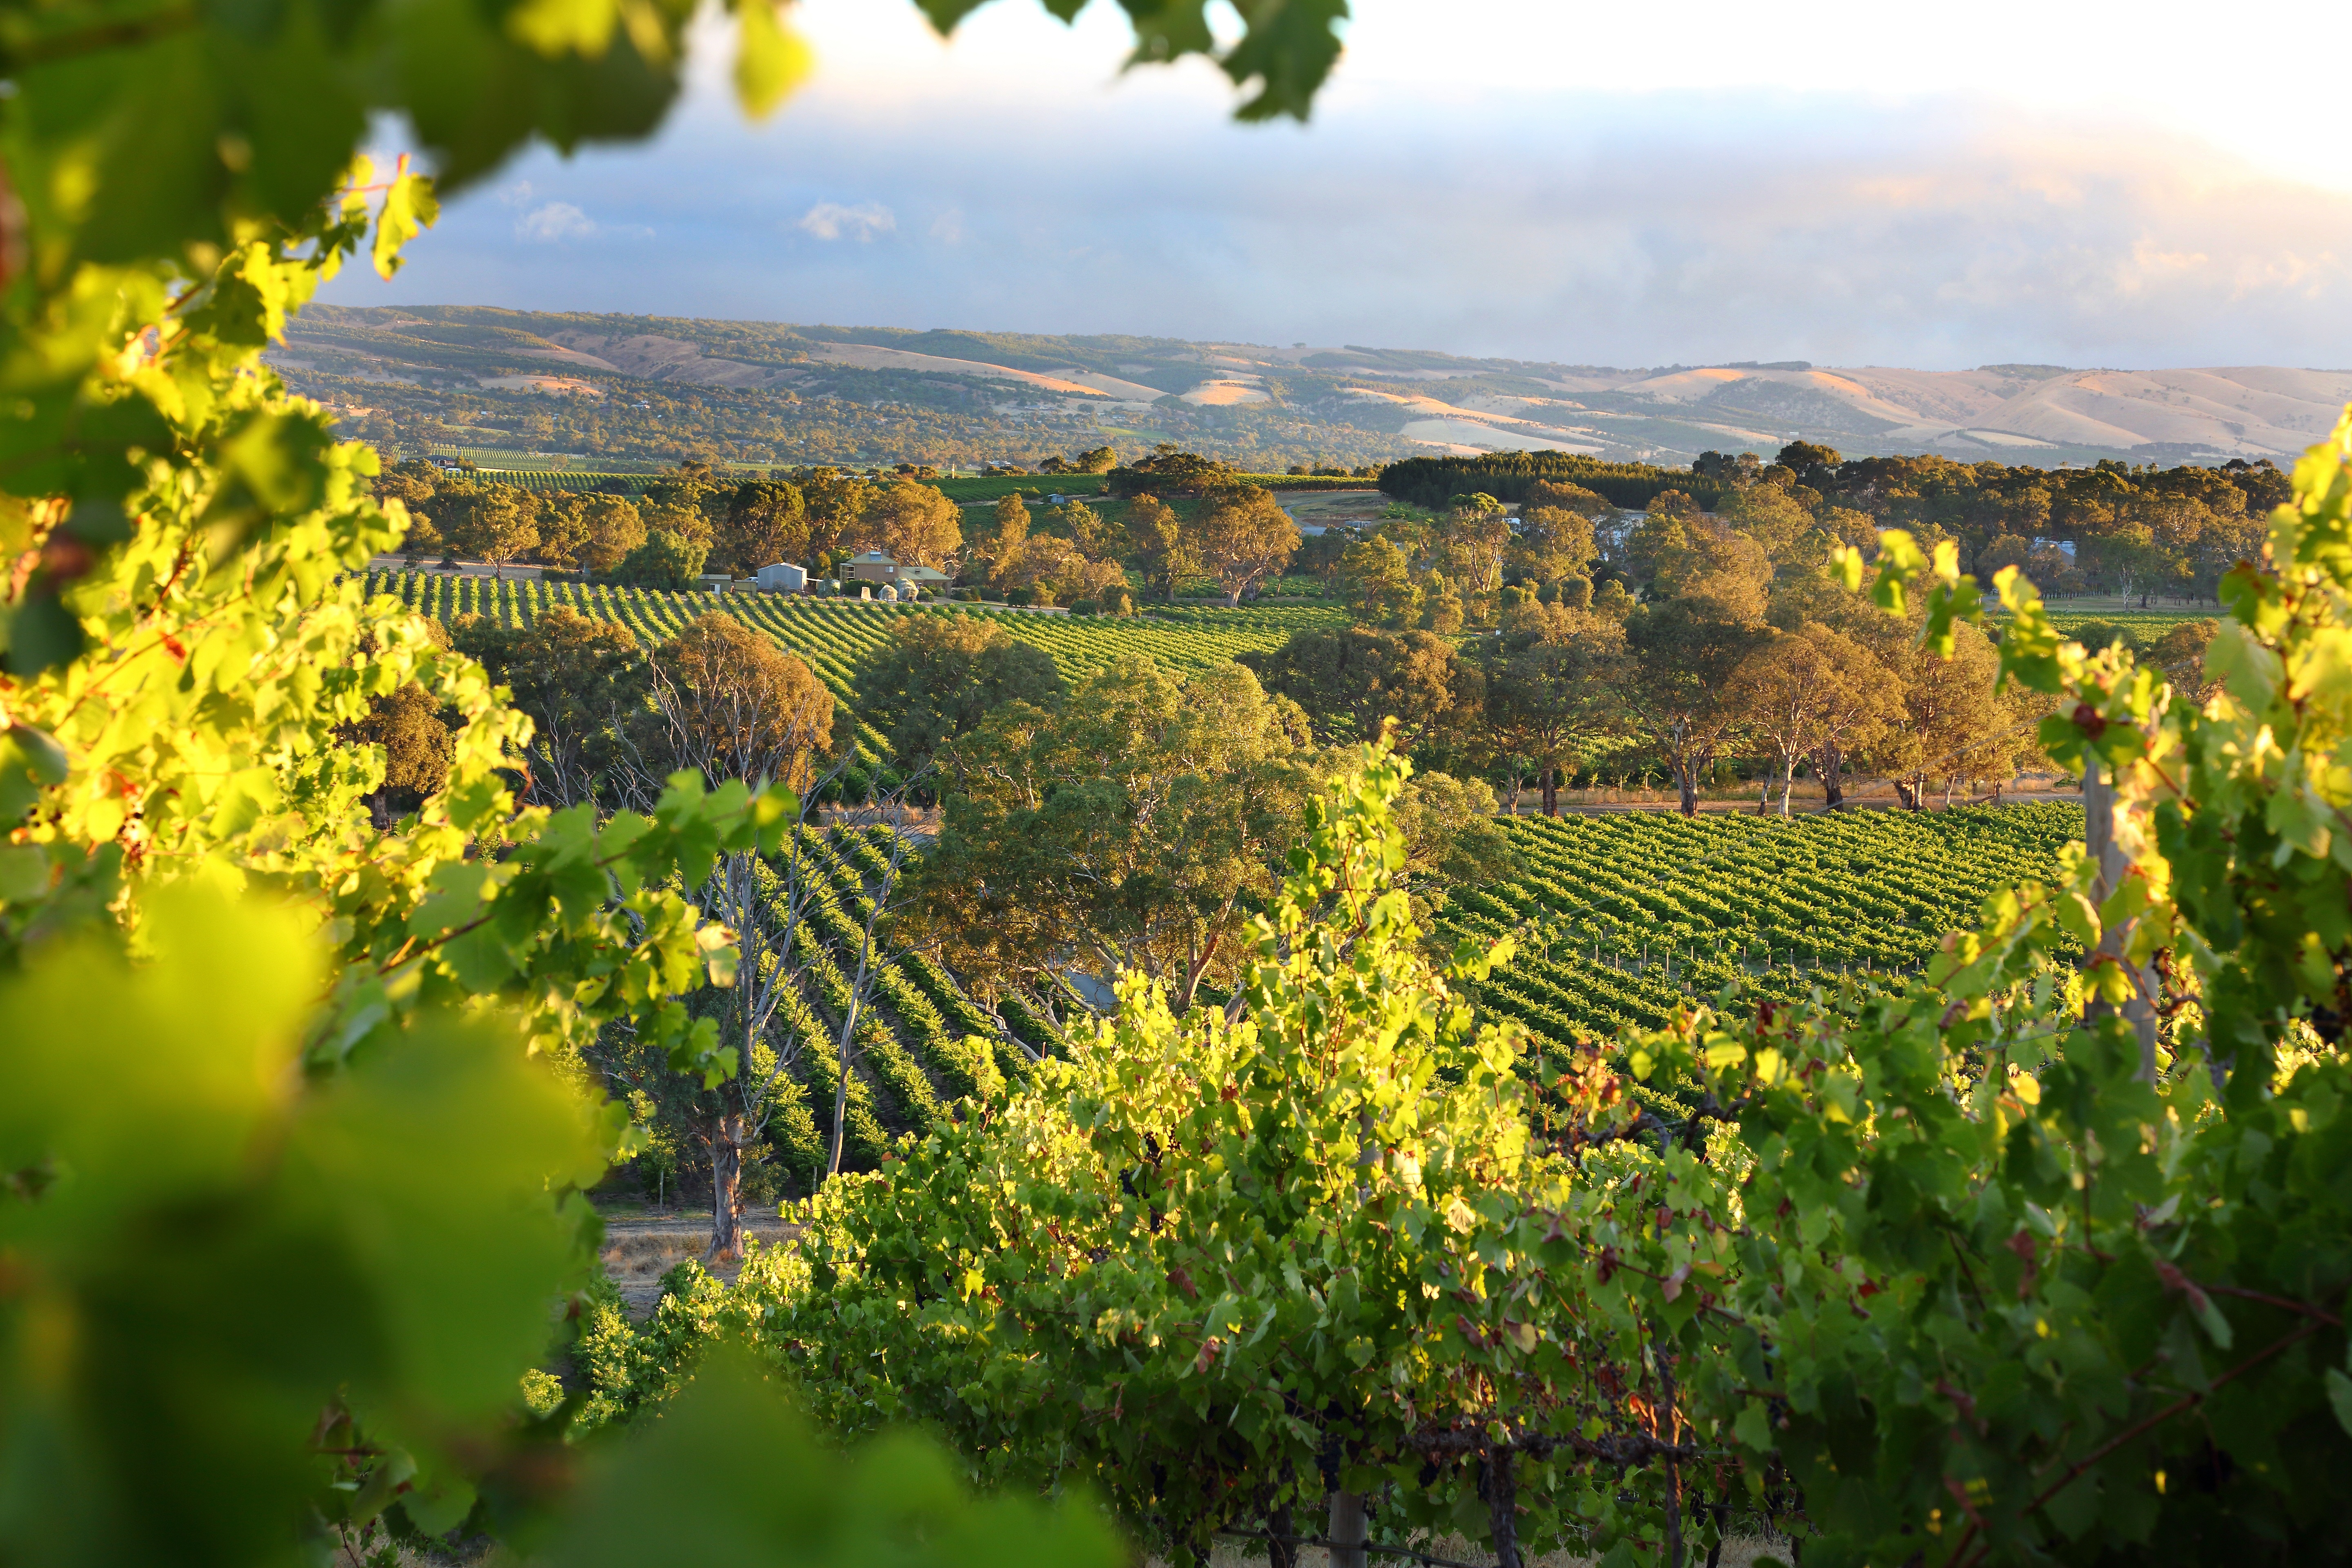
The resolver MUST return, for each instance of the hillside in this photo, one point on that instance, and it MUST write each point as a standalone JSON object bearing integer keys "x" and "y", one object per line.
{"x": 619, "y": 391}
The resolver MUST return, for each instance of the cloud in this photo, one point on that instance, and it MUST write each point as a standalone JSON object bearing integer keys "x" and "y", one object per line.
{"x": 1628, "y": 229}
{"x": 831, "y": 220}
{"x": 552, "y": 223}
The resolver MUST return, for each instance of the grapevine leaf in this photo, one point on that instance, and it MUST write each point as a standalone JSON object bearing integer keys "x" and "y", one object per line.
{"x": 2339, "y": 1396}
{"x": 770, "y": 59}
{"x": 410, "y": 208}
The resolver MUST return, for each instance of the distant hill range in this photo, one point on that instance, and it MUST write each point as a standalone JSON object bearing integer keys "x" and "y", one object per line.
{"x": 1011, "y": 395}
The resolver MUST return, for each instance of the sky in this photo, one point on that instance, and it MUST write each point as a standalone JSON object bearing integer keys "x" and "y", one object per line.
{"x": 2049, "y": 183}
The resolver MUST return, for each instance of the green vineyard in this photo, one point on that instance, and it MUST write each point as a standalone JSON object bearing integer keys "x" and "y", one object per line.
{"x": 922, "y": 1042}
{"x": 833, "y": 636}
{"x": 1628, "y": 916}
{"x": 1633, "y": 914}
{"x": 552, "y": 481}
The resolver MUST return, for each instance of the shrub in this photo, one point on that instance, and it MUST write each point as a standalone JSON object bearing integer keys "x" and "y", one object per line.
{"x": 666, "y": 561}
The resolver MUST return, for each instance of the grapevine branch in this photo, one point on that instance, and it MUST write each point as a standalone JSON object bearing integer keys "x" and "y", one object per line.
{"x": 2146, "y": 1424}
{"x": 1627, "y": 1448}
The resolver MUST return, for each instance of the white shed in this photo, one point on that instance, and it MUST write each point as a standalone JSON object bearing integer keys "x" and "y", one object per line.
{"x": 782, "y": 578}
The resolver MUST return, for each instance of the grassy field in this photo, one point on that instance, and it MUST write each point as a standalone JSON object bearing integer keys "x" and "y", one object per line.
{"x": 2140, "y": 628}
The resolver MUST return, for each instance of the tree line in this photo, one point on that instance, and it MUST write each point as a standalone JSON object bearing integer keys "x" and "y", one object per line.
{"x": 688, "y": 519}
{"x": 1220, "y": 528}
{"x": 1580, "y": 640}
{"x": 2132, "y": 530}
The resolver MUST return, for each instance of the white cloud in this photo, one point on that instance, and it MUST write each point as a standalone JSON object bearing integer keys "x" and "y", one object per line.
{"x": 552, "y": 223}
{"x": 1556, "y": 219}
{"x": 831, "y": 220}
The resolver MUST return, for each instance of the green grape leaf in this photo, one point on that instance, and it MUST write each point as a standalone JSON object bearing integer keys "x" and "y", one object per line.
{"x": 770, "y": 59}
{"x": 730, "y": 1474}
{"x": 25, "y": 873}
{"x": 557, "y": 27}
{"x": 1900, "y": 562}
{"x": 1169, "y": 29}
{"x": 42, "y": 636}
{"x": 945, "y": 15}
{"x": 2031, "y": 641}
{"x": 1288, "y": 49}
{"x": 2339, "y": 1396}
{"x": 410, "y": 208}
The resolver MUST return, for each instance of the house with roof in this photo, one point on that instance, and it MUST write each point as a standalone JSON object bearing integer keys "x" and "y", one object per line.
{"x": 874, "y": 566}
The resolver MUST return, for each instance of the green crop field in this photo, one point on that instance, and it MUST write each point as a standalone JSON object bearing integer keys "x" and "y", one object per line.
{"x": 1646, "y": 911}
{"x": 991, "y": 487}
{"x": 2143, "y": 627}
{"x": 546, "y": 480}
{"x": 833, "y": 636}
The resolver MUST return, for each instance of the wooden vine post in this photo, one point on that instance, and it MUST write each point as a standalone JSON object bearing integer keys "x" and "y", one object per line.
{"x": 1346, "y": 1532}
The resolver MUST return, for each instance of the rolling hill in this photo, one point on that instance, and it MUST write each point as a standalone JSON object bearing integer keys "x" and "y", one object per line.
{"x": 650, "y": 390}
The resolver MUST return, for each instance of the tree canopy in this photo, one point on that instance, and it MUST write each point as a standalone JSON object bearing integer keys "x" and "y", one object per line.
{"x": 939, "y": 677}
{"x": 1352, "y": 680}
{"x": 1132, "y": 828}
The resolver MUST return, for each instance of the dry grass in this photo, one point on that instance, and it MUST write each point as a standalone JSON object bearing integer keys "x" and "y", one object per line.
{"x": 1739, "y": 1552}
{"x": 1865, "y": 793}
{"x": 639, "y": 1248}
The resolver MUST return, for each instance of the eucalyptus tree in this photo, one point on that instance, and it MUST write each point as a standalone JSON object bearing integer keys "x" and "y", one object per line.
{"x": 1352, "y": 679}
{"x": 1134, "y": 828}
{"x": 1677, "y": 686}
{"x": 724, "y": 704}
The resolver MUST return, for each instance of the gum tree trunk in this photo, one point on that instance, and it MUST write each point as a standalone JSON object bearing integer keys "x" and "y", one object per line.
{"x": 727, "y": 1190}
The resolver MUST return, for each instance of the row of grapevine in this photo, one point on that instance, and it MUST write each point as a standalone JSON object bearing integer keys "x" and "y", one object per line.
{"x": 547, "y": 481}
{"x": 915, "y": 1054}
{"x": 1633, "y": 914}
{"x": 927, "y": 1035}
{"x": 834, "y": 635}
